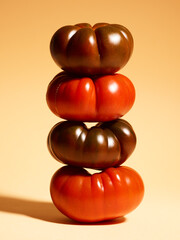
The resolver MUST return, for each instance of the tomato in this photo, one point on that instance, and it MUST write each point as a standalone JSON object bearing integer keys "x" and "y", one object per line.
{"x": 100, "y": 98}
{"x": 102, "y": 146}
{"x": 83, "y": 197}
{"x": 83, "y": 49}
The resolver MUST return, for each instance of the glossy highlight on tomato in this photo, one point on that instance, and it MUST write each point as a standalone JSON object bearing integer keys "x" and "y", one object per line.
{"x": 90, "y": 99}
{"x": 83, "y": 197}
{"x": 86, "y": 50}
{"x": 101, "y": 146}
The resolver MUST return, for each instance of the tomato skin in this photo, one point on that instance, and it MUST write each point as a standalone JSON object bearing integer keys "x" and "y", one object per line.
{"x": 95, "y": 99}
{"x": 104, "y": 145}
{"x": 83, "y": 197}
{"x": 86, "y": 50}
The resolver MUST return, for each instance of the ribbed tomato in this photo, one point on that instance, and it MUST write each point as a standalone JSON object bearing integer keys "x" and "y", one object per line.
{"x": 89, "y": 50}
{"x": 104, "y": 145}
{"x": 102, "y": 196}
{"x": 100, "y": 98}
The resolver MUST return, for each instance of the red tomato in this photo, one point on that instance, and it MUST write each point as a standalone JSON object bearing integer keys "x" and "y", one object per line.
{"x": 102, "y": 98}
{"x": 102, "y": 196}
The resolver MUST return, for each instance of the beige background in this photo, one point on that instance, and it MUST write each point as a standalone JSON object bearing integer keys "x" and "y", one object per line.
{"x": 26, "y": 168}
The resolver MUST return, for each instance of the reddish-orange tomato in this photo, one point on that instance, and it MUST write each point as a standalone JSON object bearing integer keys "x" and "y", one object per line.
{"x": 102, "y": 196}
{"x": 100, "y": 98}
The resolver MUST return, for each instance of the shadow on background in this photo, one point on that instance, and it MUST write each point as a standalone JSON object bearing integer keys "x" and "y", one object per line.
{"x": 45, "y": 211}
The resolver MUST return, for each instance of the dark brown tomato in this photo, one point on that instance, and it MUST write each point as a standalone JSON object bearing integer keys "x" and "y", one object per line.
{"x": 102, "y": 146}
{"x": 87, "y": 50}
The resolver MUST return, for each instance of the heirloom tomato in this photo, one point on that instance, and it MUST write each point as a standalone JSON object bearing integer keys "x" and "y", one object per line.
{"x": 104, "y": 145}
{"x": 99, "y": 98}
{"x": 102, "y": 196}
{"x": 83, "y": 49}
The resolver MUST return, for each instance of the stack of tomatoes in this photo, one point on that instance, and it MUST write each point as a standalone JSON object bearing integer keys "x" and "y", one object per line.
{"x": 89, "y": 90}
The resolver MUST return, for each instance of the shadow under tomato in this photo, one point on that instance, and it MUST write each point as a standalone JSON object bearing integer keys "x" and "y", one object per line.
{"x": 45, "y": 211}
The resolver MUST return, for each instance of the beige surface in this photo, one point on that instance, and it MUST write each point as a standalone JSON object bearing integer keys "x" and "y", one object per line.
{"x": 26, "y": 211}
